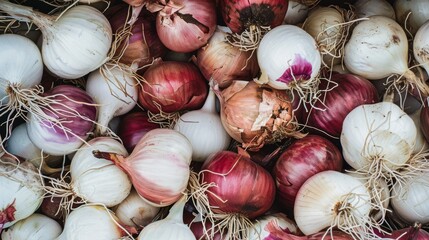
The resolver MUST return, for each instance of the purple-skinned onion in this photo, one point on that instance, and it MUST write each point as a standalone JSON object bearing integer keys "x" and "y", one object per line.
{"x": 69, "y": 118}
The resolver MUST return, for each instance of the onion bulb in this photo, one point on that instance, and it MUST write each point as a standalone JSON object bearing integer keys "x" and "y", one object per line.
{"x": 273, "y": 226}
{"x": 65, "y": 53}
{"x": 296, "y": 13}
{"x": 257, "y": 115}
{"x": 411, "y": 13}
{"x": 36, "y": 226}
{"x": 368, "y": 8}
{"x": 421, "y": 45}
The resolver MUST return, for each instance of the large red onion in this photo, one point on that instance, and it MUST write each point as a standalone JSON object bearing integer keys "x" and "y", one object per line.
{"x": 301, "y": 160}
{"x": 334, "y": 105}
{"x": 71, "y": 116}
{"x": 240, "y": 15}
{"x": 172, "y": 87}
{"x": 132, "y": 127}
{"x": 186, "y": 25}
{"x": 242, "y": 186}
{"x": 224, "y": 62}
{"x": 143, "y": 44}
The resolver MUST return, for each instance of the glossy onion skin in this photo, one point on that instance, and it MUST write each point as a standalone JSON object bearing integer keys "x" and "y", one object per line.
{"x": 351, "y": 91}
{"x": 301, "y": 160}
{"x": 248, "y": 188}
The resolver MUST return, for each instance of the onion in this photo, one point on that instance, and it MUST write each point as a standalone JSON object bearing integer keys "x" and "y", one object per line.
{"x": 223, "y": 63}
{"x": 301, "y": 160}
{"x": 424, "y": 119}
{"x": 420, "y": 47}
{"x": 296, "y": 13}
{"x": 334, "y": 235}
{"x": 368, "y": 8}
{"x": 203, "y": 128}
{"x": 201, "y": 230}
{"x": 185, "y": 25}
{"x": 332, "y": 199}
{"x": 132, "y": 127}
{"x": 65, "y": 53}
{"x": 135, "y": 211}
{"x": 71, "y": 117}
{"x": 169, "y": 228}
{"x": 411, "y": 13}
{"x": 223, "y": 175}
{"x": 93, "y": 222}
{"x": 289, "y": 59}
{"x": 143, "y": 44}
{"x": 21, "y": 188}
{"x": 36, "y": 226}
{"x": 254, "y": 115}
{"x": 172, "y": 87}
{"x": 378, "y": 48}
{"x": 115, "y": 91}
{"x": 273, "y": 226}
{"x": 414, "y": 232}
{"x": 158, "y": 166}
{"x": 251, "y": 19}
{"x": 344, "y": 93}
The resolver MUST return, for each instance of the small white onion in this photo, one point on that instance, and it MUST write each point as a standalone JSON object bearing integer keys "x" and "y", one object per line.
{"x": 419, "y": 10}
{"x": 19, "y": 144}
{"x": 204, "y": 129}
{"x": 296, "y": 13}
{"x": 421, "y": 46}
{"x": 135, "y": 212}
{"x": 35, "y": 227}
{"x": 367, "y": 8}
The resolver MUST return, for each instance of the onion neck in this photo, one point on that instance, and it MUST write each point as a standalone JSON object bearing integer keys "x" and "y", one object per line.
{"x": 210, "y": 104}
{"x": 114, "y": 157}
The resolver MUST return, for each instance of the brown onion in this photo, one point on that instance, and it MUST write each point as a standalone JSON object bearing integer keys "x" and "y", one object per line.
{"x": 346, "y": 91}
{"x": 240, "y": 15}
{"x": 240, "y": 190}
{"x": 223, "y": 62}
{"x": 256, "y": 115}
{"x": 186, "y": 25}
{"x": 301, "y": 160}
{"x": 173, "y": 86}
{"x": 143, "y": 44}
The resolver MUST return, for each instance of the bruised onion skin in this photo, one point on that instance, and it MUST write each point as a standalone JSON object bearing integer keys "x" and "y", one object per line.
{"x": 132, "y": 127}
{"x": 186, "y": 25}
{"x": 301, "y": 160}
{"x": 239, "y": 15}
{"x": 245, "y": 187}
{"x": 329, "y": 113}
{"x": 143, "y": 44}
{"x": 174, "y": 86}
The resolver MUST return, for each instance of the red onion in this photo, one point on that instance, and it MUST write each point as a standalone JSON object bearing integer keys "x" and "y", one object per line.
{"x": 172, "y": 87}
{"x": 224, "y": 62}
{"x": 133, "y": 127}
{"x": 335, "y": 235}
{"x": 71, "y": 116}
{"x": 410, "y": 233}
{"x": 200, "y": 231}
{"x": 143, "y": 44}
{"x": 186, "y": 25}
{"x": 240, "y": 15}
{"x": 233, "y": 174}
{"x": 329, "y": 113}
{"x": 301, "y": 160}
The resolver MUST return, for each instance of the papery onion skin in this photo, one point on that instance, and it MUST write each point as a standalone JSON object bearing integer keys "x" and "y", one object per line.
{"x": 239, "y": 15}
{"x": 256, "y": 115}
{"x": 244, "y": 187}
{"x": 351, "y": 91}
{"x": 175, "y": 86}
{"x": 52, "y": 138}
{"x": 143, "y": 44}
{"x": 301, "y": 160}
{"x": 411, "y": 233}
{"x": 187, "y": 28}
{"x": 223, "y": 62}
{"x": 133, "y": 127}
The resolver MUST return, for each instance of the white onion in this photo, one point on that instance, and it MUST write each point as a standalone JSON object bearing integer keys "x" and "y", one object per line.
{"x": 368, "y": 8}
{"x": 114, "y": 90}
{"x": 74, "y": 44}
{"x": 333, "y": 199}
{"x": 421, "y": 46}
{"x": 35, "y": 227}
{"x": 204, "y": 129}
{"x": 419, "y": 10}
{"x": 89, "y": 222}
{"x": 378, "y": 48}
{"x": 135, "y": 211}
{"x": 296, "y": 13}
{"x": 410, "y": 200}
{"x": 289, "y": 59}
{"x": 21, "y": 191}
{"x": 19, "y": 144}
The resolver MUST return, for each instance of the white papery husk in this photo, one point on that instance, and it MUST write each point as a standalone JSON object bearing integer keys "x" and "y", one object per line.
{"x": 266, "y": 226}
{"x": 35, "y": 227}
{"x": 20, "y": 188}
{"x": 89, "y": 222}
